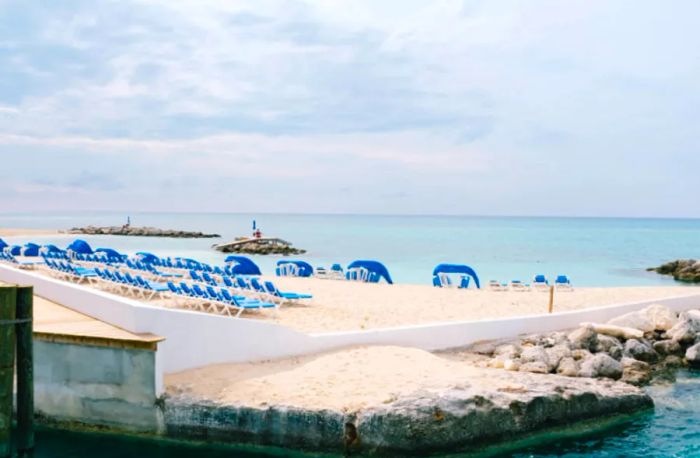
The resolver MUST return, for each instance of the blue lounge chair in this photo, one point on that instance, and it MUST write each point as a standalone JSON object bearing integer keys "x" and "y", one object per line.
{"x": 563, "y": 283}
{"x": 272, "y": 289}
{"x": 540, "y": 282}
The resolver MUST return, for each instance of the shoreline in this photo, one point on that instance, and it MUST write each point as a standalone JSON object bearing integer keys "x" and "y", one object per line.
{"x": 26, "y": 232}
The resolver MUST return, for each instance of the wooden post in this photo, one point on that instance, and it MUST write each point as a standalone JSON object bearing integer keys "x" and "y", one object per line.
{"x": 8, "y": 299}
{"x": 551, "y": 299}
{"x": 25, "y": 368}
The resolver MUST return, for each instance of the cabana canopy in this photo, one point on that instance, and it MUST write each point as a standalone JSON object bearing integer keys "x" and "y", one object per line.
{"x": 51, "y": 249}
{"x": 148, "y": 258}
{"x": 15, "y": 250}
{"x": 240, "y": 265}
{"x": 109, "y": 252}
{"x": 457, "y": 269}
{"x": 304, "y": 268}
{"x": 80, "y": 246}
{"x": 376, "y": 270}
{"x": 3, "y": 244}
{"x": 30, "y": 249}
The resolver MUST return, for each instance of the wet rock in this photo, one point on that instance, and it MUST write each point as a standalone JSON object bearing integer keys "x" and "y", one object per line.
{"x": 635, "y": 372}
{"x": 601, "y": 365}
{"x": 584, "y": 338}
{"x": 685, "y": 270}
{"x": 692, "y": 355}
{"x": 641, "y": 351}
{"x": 568, "y": 367}
{"x": 673, "y": 361}
{"x": 667, "y": 347}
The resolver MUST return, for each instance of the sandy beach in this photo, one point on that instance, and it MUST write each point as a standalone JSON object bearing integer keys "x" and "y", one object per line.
{"x": 347, "y": 380}
{"x": 347, "y": 306}
{"x": 19, "y": 232}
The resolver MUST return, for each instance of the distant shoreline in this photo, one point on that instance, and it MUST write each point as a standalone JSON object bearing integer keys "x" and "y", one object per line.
{"x": 20, "y": 232}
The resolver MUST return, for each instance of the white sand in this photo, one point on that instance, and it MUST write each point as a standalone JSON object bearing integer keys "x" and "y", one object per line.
{"x": 347, "y": 380}
{"x": 346, "y": 306}
{"x": 18, "y": 232}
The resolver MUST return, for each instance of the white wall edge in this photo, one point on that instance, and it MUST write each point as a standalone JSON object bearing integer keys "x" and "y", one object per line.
{"x": 195, "y": 339}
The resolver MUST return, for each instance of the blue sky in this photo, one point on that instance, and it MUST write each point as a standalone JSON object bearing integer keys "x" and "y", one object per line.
{"x": 451, "y": 107}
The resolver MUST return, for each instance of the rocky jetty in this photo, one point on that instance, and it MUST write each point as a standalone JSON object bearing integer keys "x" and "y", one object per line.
{"x": 427, "y": 421}
{"x": 139, "y": 231}
{"x": 259, "y": 245}
{"x": 685, "y": 270}
{"x": 636, "y": 348}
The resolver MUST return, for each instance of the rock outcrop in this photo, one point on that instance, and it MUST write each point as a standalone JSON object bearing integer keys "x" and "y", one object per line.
{"x": 635, "y": 347}
{"x": 136, "y": 231}
{"x": 685, "y": 270}
{"x": 425, "y": 422}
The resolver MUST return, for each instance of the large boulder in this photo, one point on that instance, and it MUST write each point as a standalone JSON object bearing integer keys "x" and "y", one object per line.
{"x": 609, "y": 345}
{"x": 667, "y": 347}
{"x": 583, "y": 338}
{"x": 661, "y": 316}
{"x": 635, "y": 372}
{"x": 601, "y": 365}
{"x": 692, "y": 355}
{"x": 555, "y": 354}
{"x": 616, "y": 331}
{"x": 635, "y": 320}
{"x": 653, "y": 318}
{"x": 533, "y": 354}
{"x": 687, "y": 328}
{"x": 641, "y": 351}
{"x": 568, "y": 367}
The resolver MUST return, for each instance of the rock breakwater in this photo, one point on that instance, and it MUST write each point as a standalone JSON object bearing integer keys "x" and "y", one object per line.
{"x": 685, "y": 270}
{"x": 636, "y": 348}
{"x": 139, "y": 232}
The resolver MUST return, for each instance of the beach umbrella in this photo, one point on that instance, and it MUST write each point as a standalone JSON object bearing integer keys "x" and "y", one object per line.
{"x": 3, "y": 244}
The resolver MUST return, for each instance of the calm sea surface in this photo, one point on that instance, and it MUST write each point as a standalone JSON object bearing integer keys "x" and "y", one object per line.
{"x": 671, "y": 430}
{"x": 592, "y": 251}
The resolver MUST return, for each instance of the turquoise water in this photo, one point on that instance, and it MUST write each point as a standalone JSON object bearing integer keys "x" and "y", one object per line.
{"x": 592, "y": 251}
{"x": 671, "y": 430}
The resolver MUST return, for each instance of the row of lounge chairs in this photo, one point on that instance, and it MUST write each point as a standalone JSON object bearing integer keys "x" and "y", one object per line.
{"x": 539, "y": 283}
{"x": 216, "y": 300}
{"x": 9, "y": 258}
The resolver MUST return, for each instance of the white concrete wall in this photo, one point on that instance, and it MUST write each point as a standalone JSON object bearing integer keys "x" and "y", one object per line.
{"x": 95, "y": 385}
{"x": 197, "y": 339}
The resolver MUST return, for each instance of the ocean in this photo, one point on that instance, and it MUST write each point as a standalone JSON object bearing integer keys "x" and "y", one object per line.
{"x": 591, "y": 251}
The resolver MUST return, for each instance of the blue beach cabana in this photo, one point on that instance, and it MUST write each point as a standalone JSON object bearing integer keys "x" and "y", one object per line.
{"x": 15, "y": 250}
{"x": 30, "y": 249}
{"x": 442, "y": 276}
{"x": 368, "y": 271}
{"x": 286, "y": 267}
{"x": 240, "y": 265}
{"x": 80, "y": 246}
{"x": 51, "y": 249}
{"x": 147, "y": 258}
{"x": 3, "y": 244}
{"x": 110, "y": 253}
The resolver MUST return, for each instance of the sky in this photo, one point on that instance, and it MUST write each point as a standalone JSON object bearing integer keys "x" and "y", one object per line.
{"x": 575, "y": 108}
